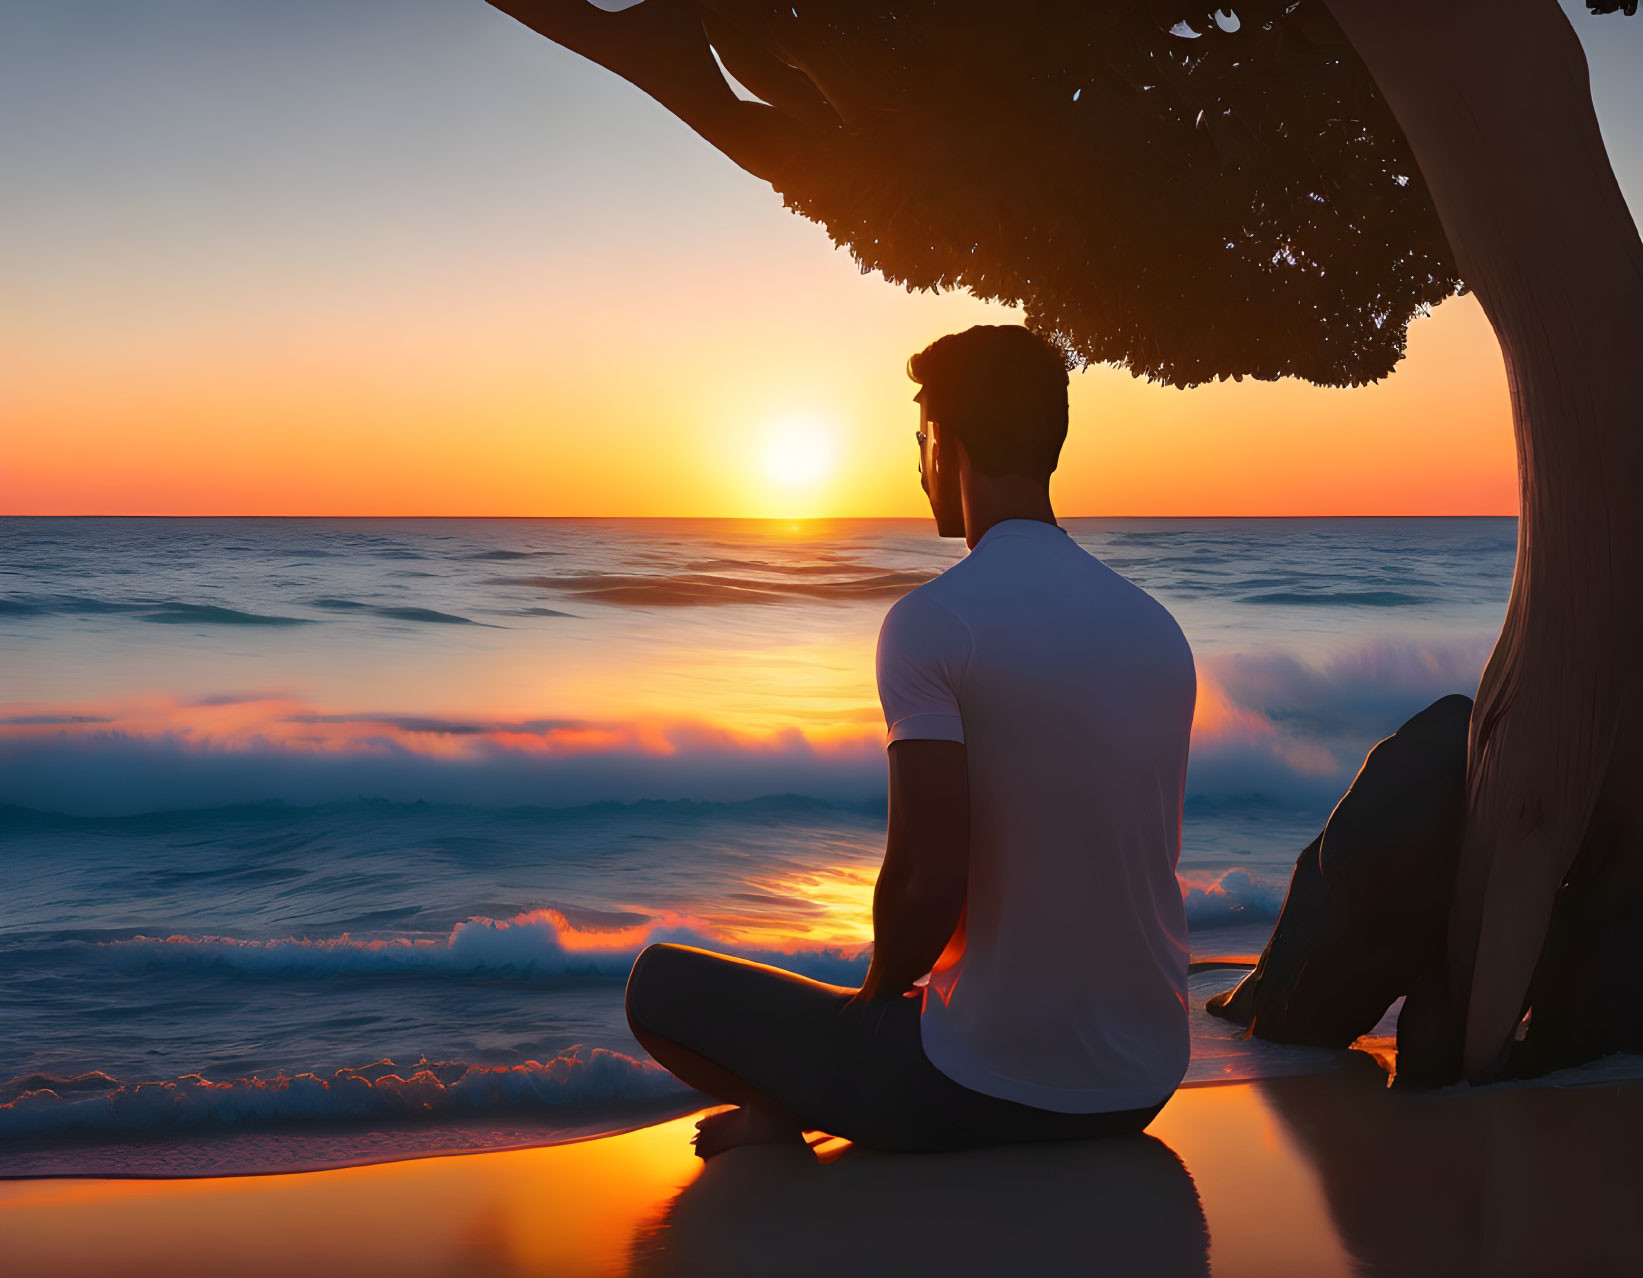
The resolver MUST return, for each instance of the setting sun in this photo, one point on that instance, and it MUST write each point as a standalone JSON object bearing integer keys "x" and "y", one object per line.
{"x": 524, "y": 750}
{"x": 798, "y": 453}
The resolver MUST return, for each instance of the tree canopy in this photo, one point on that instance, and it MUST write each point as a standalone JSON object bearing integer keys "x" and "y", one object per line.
{"x": 1191, "y": 194}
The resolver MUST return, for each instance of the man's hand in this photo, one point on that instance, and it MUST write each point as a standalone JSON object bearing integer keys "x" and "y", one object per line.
{"x": 865, "y": 997}
{"x": 859, "y": 1001}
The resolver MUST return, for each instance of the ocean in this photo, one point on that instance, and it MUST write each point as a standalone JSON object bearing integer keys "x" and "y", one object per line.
{"x": 327, "y": 826}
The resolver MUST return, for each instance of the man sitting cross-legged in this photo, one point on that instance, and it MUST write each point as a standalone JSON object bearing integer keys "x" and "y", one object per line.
{"x": 1028, "y": 978}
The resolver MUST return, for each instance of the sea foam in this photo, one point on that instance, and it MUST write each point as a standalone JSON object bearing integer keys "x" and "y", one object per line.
{"x": 580, "y": 1082}
{"x": 540, "y": 943}
{"x": 579, "y": 1078}
{"x": 543, "y": 943}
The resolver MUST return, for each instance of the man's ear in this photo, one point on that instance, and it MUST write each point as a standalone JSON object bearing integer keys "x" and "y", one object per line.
{"x": 941, "y": 446}
{"x": 953, "y": 452}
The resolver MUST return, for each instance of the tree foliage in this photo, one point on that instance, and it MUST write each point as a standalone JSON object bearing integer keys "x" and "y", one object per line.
{"x": 1190, "y": 194}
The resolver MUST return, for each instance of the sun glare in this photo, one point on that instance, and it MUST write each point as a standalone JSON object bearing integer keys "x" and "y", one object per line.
{"x": 798, "y": 453}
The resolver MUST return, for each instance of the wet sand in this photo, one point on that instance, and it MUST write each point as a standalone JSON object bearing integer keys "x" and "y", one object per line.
{"x": 1322, "y": 1175}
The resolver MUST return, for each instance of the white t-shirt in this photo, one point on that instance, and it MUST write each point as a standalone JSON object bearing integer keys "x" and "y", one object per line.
{"x": 1073, "y": 692}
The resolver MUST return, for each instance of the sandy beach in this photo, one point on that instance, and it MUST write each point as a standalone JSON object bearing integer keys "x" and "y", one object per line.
{"x": 1329, "y": 1174}
{"x": 1099, "y": 541}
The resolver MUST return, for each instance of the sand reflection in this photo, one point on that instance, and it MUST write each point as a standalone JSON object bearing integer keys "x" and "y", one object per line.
{"x": 1528, "y": 1180}
{"x": 1123, "y": 1206}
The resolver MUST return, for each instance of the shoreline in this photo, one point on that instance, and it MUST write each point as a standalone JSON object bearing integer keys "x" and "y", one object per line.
{"x": 549, "y": 1137}
{"x": 418, "y": 1142}
{"x": 1324, "y": 1174}
{"x": 95, "y": 1126}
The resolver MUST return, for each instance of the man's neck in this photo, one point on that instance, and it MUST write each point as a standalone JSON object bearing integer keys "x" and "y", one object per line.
{"x": 991, "y": 499}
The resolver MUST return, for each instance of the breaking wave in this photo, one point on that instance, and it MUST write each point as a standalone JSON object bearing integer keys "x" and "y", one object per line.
{"x": 539, "y": 943}
{"x": 44, "y": 1105}
{"x": 544, "y": 943}
{"x": 1236, "y": 896}
{"x": 182, "y": 614}
{"x": 580, "y": 1083}
{"x": 107, "y": 773}
{"x": 1347, "y": 598}
{"x": 693, "y": 588}
{"x": 1270, "y": 726}
{"x": 400, "y": 613}
{"x": 164, "y": 612}
{"x": 178, "y": 612}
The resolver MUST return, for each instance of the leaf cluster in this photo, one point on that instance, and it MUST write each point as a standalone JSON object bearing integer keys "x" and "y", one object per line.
{"x": 1192, "y": 194}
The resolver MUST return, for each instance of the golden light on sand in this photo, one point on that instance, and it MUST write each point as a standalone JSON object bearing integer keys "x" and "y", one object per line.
{"x": 799, "y": 452}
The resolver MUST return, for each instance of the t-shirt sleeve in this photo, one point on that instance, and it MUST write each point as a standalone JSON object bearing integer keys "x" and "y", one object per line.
{"x": 922, "y": 654}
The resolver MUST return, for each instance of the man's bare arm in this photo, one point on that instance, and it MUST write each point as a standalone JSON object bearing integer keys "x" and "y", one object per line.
{"x": 919, "y": 900}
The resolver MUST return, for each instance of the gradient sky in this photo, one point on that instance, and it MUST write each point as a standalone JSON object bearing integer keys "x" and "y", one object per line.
{"x": 409, "y": 258}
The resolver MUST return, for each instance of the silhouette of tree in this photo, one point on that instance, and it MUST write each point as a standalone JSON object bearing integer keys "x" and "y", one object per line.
{"x": 1269, "y": 192}
{"x": 1193, "y": 198}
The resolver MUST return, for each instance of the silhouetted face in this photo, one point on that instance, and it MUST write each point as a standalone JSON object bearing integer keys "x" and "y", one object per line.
{"x": 938, "y": 476}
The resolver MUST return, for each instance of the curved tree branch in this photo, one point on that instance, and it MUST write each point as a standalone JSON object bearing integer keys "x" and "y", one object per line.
{"x": 661, "y": 48}
{"x": 764, "y": 72}
{"x": 849, "y": 73}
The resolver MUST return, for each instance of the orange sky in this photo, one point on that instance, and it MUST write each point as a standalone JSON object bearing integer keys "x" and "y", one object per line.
{"x": 464, "y": 273}
{"x": 498, "y": 417}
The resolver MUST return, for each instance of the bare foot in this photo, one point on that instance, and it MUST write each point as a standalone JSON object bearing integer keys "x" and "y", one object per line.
{"x": 743, "y": 1125}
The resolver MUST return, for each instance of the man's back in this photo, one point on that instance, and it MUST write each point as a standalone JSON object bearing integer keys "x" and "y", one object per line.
{"x": 1073, "y": 691}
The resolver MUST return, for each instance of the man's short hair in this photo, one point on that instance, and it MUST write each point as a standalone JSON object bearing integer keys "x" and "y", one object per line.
{"x": 1000, "y": 388}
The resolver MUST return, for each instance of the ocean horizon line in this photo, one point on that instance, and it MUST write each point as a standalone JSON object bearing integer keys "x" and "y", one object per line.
{"x": 720, "y": 519}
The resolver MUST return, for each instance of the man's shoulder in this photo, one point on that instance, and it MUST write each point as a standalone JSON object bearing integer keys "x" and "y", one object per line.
{"x": 956, "y": 585}
{"x": 927, "y": 597}
{"x": 929, "y": 615}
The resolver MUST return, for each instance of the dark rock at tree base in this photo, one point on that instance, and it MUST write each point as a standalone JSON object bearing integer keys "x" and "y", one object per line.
{"x": 1430, "y": 1031}
{"x": 1367, "y": 912}
{"x": 1586, "y": 997}
{"x": 1368, "y": 905}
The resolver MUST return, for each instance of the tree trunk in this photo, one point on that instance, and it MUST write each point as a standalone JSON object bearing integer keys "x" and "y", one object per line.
{"x": 1494, "y": 98}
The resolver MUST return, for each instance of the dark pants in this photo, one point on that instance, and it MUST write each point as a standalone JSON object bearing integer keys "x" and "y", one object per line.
{"x": 860, "y": 1073}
